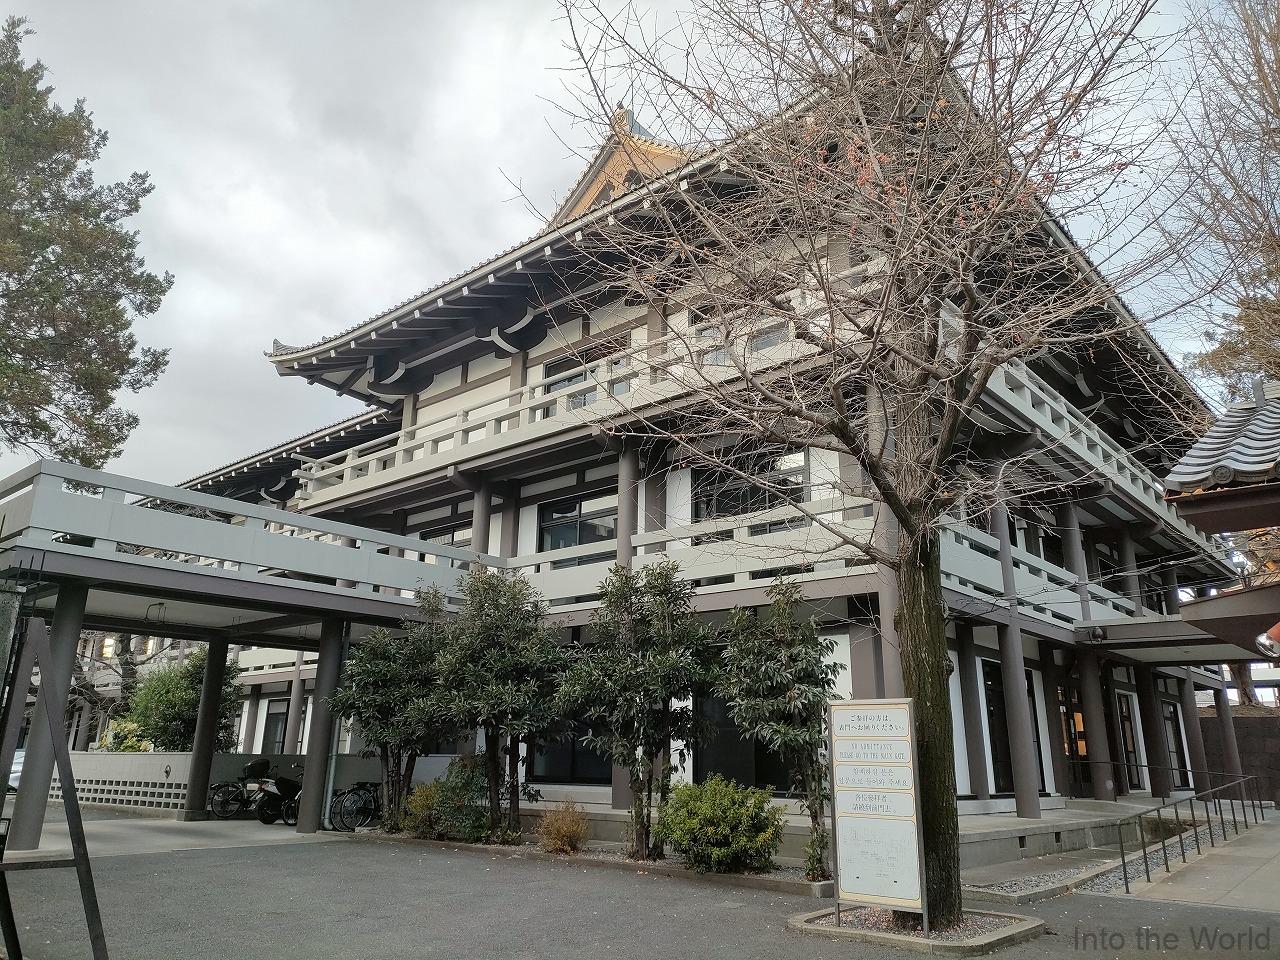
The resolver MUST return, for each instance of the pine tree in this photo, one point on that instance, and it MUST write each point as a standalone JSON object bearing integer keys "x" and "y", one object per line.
{"x": 71, "y": 280}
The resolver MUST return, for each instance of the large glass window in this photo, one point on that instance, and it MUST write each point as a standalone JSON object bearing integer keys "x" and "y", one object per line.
{"x": 733, "y": 756}
{"x": 1178, "y": 773}
{"x": 570, "y": 371}
{"x": 751, "y": 481}
{"x": 575, "y": 523}
{"x": 273, "y": 729}
{"x": 568, "y": 761}
{"x": 459, "y": 536}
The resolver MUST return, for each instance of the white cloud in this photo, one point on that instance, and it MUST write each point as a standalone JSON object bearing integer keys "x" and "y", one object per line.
{"x": 313, "y": 164}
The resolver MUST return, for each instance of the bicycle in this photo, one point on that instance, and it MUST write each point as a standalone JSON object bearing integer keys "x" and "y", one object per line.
{"x": 357, "y": 806}
{"x": 230, "y": 798}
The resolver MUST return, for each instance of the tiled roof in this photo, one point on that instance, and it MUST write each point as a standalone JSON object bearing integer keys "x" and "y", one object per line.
{"x": 285, "y": 450}
{"x": 1242, "y": 448}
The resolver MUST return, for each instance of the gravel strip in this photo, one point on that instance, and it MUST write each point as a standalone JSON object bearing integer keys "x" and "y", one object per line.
{"x": 1113, "y": 880}
{"x": 1038, "y": 881}
{"x": 881, "y": 921}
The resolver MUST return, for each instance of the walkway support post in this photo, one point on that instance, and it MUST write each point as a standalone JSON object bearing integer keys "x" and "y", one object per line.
{"x": 293, "y": 719}
{"x": 55, "y": 685}
{"x": 208, "y": 719}
{"x": 1159, "y": 777}
{"x": 1013, "y": 672}
{"x": 1227, "y": 728}
{"x": 1101, "y": 773}
{"x": 316, "y": 774}
{"x": 1195, "y": 735}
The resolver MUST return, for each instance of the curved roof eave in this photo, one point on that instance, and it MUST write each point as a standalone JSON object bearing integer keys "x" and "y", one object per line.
{"x": 532, "y": 248}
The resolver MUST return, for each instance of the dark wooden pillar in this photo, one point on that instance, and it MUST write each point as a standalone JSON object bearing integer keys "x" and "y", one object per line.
{"x": 208, "y": 718}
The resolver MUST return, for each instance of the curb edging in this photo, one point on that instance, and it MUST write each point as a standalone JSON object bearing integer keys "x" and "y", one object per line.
{"x": 803, "y": 888}
{"x": 1027, "y": 928}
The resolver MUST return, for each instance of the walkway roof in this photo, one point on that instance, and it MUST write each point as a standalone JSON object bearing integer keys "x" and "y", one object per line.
{"x": 165, "y": 561}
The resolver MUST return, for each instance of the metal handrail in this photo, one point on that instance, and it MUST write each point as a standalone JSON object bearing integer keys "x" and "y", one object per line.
{"x": 1237, "y": 789}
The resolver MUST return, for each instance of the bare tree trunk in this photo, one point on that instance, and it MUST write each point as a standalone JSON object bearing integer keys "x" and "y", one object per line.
{"x": 493, "y": 773}
{"x": 1242, "y": 676}
{"x": 922, "y": 636}
{"x": 513, "y": 786}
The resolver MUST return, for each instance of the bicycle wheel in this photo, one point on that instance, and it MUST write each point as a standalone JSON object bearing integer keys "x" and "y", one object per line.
{"x": 358, "y": 808}
{"x": 335, "y": 810}
{"x": 226, "y": 800}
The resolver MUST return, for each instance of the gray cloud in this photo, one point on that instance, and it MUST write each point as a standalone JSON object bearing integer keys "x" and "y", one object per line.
{"x": 313, "y": 164}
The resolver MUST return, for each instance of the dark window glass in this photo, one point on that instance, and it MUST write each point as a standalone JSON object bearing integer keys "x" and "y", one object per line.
{"x": 573, "y": 523}
{"x": 273, "y": 728}
{"x": 724, "y": 493}
{"x": 998, "y": 727}
{"x": 1177, "y": 761}
{"x": 569, "y": 761}
{"x": 1129, "y": 741}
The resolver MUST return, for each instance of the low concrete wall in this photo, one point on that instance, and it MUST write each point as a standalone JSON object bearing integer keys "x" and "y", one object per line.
{"x": 151, "y": 781}
{"x": 1259, "y": 741}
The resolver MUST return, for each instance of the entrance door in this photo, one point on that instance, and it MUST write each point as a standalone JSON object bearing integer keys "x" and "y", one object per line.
{"x": 1077, "y": 748}
{"x": 998, "y": 727}
{"x": 1129, "y": 739}
{"x": 1179, "y": 775}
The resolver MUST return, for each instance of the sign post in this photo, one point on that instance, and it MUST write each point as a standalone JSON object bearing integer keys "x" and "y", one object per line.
{"x": 875, "y": 806}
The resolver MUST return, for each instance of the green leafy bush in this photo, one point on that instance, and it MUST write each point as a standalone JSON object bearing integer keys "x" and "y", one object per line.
{"x": 455, "y": 807}
{"x": 563, "y": 829}
{"x": 722, "y": 827}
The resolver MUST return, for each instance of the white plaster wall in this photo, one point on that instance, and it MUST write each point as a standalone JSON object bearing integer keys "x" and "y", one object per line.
{"x": 1042, "y": 717}
{"x": 958, "y": 746}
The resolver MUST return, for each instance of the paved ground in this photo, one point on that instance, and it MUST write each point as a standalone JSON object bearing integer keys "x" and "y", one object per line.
{"x": 361, "y": 901}
{"x": 1242, "y": 873}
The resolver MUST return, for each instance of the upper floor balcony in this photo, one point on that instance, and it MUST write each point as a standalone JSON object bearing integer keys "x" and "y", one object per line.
{"x": 1072, "y": 446}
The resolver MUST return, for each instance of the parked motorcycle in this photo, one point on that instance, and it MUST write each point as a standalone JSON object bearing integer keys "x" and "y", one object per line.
{"x": 278, "y": 799}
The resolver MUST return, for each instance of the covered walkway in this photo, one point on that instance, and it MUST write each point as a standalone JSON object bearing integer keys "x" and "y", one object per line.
{"x": 92, "y": 550}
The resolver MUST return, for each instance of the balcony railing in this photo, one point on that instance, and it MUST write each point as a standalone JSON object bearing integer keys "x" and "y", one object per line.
{"x": 59, "y": 508}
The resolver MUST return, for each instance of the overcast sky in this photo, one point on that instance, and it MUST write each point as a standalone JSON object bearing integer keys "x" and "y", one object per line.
{"x": 313, "y": 164}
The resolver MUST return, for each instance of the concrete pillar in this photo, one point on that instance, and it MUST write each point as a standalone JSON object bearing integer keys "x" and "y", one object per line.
{"x": 1013, "y": 671}
{"x": 1172, "y": 601}
{"x": 293, "y": 719}
{"x": 1101, "y": 772}
{"x": 510, "y": 524}
{"x": 249, "y": 732}
{"x": 320, "y": 741}
{"x": 55, "y": 684}
{"x": 1073, "y": 548}
{"x": 208, "y": 719}
{"x": 889, "y": 653}
{"x": 1051, "y": 675}
{"x": 1129, "y": 564}
{"x": 1226, "y": 728}
{"x": 1159, "y": 777}
{"x": 481, "y": 511}
{"x": 655, "y": 508}
{"x": 971, "y": 709}
{"x": 1195, "y": 736}
{"x": 628, "y": 503}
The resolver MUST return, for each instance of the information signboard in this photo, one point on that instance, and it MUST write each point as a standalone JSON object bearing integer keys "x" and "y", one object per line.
{"x": 875, "y": 807}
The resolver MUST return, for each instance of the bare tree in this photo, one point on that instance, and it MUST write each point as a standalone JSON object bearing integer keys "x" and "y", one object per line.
{"x": 1231, "y": 162}
{"x": 1230, "y": 149}
{"x": 871, "y": 230}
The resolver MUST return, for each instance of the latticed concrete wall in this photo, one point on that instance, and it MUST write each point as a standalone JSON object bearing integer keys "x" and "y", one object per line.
{"x": 156, "y": 781}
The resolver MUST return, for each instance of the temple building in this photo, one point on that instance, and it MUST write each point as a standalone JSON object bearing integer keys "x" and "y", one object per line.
{"x": 484, "y": 397}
